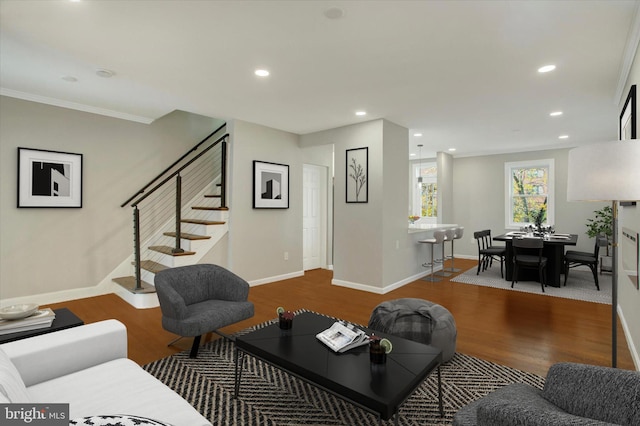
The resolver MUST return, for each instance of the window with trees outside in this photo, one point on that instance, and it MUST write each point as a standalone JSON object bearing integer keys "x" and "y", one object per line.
{"x": 424, "y": 193}
{"x": 529, "y": 186}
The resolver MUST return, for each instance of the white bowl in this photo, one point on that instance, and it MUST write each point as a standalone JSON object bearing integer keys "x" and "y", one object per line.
{"x": 18, "y": 311}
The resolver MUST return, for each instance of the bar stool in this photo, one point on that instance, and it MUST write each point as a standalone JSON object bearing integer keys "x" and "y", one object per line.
{"x": 438, "y": 238}
{"x": 459, "y": 232}
{"x": 449, "y": 234}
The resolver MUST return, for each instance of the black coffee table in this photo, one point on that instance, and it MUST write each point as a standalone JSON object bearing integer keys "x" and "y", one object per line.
{"x": 380, "y": 389}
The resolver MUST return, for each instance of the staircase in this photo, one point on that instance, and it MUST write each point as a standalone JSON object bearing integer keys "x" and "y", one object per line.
{"x": 169, "y": 233}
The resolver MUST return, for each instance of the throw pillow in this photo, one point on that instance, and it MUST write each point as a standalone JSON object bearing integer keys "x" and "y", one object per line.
{"x": 116, "y": 420}
{"x": 11, "y": 385}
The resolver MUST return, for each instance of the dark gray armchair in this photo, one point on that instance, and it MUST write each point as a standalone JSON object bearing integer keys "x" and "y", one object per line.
{"x": 573, "y": 394}
{"x": 199, "y": 299}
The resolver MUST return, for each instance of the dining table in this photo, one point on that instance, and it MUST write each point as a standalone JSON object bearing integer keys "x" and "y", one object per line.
{"x": 553, "y": 250}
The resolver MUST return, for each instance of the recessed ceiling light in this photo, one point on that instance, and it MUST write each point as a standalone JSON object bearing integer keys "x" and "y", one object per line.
{"x": 262, "y": 73}
{"x": 334, "y": 13}
{"x": 555, "y": 113}
{"x": 361, "y": 113}
{"x": 69, "y": 78}
{"x": 104, "y": 73}
{"x": 452, "y": 149}
{"x": 547, "y": 68}
{"x": 417, "y": 135}
{"x": 563, "y": 137}
{"x": 412, "y": 155}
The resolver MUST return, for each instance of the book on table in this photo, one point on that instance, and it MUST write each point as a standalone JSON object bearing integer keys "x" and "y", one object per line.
{"x": 42, "y": 318}
{"x": 341, "y": 337}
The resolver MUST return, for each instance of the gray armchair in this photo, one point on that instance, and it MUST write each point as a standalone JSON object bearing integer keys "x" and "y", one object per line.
{"x": 199, "y": 299}
{"x": 573, "y": 394}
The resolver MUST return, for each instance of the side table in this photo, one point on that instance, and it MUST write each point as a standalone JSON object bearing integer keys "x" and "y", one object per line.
{"x": 64, "y": 319}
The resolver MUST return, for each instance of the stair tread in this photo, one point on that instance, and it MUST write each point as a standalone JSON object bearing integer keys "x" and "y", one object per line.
{"x": 130, "y": 284}
{"x": 168, "y": 250}
{"x": 152, "y": 266}
{"x": 203, "y": 222}
{"x": 188, "y": 236}
{"x": 209, "y": 208}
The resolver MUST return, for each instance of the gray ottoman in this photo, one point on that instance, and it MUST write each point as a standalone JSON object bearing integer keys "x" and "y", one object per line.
{"x": 418, "y": 320}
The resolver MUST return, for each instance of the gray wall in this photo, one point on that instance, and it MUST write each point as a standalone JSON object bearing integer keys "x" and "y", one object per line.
{"x": 479, "y": 198}
{"x": 629, "y": 296}
{"x": 54, "y": 250}
{"x": 258, "y": 238}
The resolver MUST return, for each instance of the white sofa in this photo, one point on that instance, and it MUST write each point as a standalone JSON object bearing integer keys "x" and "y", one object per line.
{"x": 87, "y": 367}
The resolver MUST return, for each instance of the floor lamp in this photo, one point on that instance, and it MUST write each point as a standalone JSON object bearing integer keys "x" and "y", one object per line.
{"x": 606, "y": 172}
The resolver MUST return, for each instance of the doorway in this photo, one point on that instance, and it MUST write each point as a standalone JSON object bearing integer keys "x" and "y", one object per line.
{"x": 314, "y": 217}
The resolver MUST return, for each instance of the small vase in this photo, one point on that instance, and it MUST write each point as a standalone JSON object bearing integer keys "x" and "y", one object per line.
{"x": 377, "y": 354}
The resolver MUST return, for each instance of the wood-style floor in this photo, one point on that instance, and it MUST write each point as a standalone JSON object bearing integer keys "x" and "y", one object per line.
{"x": 521, "y": 330}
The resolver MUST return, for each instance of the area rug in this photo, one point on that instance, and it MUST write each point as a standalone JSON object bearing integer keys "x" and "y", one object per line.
{"x": 269, "y": 396}
{"x": 580, "y": 284}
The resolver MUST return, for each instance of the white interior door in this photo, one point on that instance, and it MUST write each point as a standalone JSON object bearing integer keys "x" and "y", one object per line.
{"x": 314, "y": 217}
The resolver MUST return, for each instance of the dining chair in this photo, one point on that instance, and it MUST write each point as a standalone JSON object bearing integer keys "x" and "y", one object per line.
{"x": 487, "y": 253}
{"x": 523, "y": 258}
{"x": 573, "y": 258}
{"x": 438, "y": 238}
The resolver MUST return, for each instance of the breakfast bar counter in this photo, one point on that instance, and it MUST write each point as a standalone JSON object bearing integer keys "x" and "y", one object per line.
{"x": 429, "y": 227}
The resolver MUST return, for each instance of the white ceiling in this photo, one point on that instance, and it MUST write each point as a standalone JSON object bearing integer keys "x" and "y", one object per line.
{"x": 462, "y": 73}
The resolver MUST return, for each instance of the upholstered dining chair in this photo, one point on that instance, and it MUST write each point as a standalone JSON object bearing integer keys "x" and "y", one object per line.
{"x": 573, "y": 258}
{"x": 523, "y": 258}
{"x": 487, "y": 253}
{"x": 200, "y": 299}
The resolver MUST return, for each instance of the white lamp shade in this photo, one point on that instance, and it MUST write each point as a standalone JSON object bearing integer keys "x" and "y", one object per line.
{"x": 605, "y": 172}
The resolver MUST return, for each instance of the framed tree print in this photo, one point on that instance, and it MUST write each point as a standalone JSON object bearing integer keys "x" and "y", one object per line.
{"x": 357, "y": 175}
{"x": 627, "y": 125}
{"x": 270, "y": 185}
{"x": 49, "y": 178}
{"x": 628, "y": 116}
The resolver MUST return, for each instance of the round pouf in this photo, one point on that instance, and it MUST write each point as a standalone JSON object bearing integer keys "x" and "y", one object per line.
{"x": 418, "y": 320}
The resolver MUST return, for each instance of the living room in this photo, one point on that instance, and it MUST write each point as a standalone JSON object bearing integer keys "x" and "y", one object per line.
{"x": 55, "y": 255}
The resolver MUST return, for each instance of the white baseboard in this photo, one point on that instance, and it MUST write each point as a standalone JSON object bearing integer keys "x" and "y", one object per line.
{"x": 386, "y": 289}
{"x": 627, "y": 334}
{"x": 276, "y": 278}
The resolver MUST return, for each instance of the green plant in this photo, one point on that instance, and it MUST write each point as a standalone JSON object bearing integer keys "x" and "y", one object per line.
{"x": 541, "y": 214}
{"x": 601, "y": 224}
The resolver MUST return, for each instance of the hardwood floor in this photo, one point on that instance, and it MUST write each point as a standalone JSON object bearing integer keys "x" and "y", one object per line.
{"x": 521, "y": 330}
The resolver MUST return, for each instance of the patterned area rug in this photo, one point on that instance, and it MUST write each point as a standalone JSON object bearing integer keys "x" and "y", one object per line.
{"x": 580, "y": 284}
{"x": 269, "y": 396}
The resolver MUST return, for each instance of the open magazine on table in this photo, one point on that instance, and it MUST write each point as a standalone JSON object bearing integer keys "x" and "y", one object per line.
{"x": 341, "y": 337}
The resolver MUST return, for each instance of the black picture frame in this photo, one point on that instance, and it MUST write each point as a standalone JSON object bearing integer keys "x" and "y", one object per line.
{"x": 627, "y": 125}
{"x": 357, "y": 175}
{"x": 49, "y": 179}
{"x": 270, "y": 185}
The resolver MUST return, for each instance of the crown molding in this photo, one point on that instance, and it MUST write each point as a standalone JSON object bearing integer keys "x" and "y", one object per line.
{"x": 75, "y": 106}
{"x": 629, "y": 55}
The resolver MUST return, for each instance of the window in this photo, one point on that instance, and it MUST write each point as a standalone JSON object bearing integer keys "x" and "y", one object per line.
{"x": 529, "y": 186}
{"x": 424, "y": 194}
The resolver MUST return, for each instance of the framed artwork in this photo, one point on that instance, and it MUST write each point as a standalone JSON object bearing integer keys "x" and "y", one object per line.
{"x": 270, "y": 185}
{"x": 49, "y": 178}
{"x": 628, "y": 116}
{"x": 628, "y": 125}
{"x": 357, "y": 175}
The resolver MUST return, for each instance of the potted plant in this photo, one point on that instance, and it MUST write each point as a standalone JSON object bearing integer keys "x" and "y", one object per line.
{"x": 602, "y": 224}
